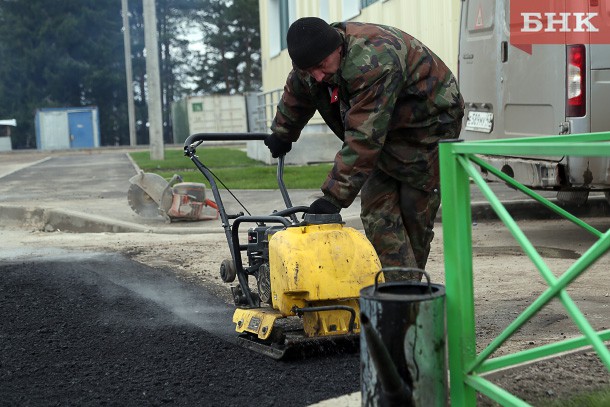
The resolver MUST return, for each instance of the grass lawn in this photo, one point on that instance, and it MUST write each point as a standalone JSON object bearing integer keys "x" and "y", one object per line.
{"x": 233, "y": 167}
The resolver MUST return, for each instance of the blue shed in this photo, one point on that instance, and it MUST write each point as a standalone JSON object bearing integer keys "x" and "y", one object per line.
{"x": 65, "y": 128}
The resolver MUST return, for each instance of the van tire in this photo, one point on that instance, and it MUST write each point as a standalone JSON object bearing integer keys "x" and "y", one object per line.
{"x": 571, "y": 197}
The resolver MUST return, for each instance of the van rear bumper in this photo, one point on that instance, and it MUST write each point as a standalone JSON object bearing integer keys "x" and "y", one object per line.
{"x": 585, "y": 173}
{"x": 533, "y": 173}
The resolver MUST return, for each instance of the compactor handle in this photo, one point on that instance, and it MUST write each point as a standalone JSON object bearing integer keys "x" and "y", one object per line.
{"x": 201, "y": 137}
{"x": 195, "y": 140}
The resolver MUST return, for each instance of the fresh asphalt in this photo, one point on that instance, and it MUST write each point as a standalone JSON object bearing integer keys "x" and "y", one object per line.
{"x": 86, "y": 191}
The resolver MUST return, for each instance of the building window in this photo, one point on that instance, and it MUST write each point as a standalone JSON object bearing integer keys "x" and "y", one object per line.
{"x": 350, "y": 9}
{"x": 284, "y": 22}
{"x": 324, "y": 10}
{"x": 281, "y": 15}
{"x": 365, "y": 3}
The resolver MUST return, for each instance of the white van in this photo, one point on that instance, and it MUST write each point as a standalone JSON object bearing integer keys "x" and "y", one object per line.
{"x": 556, "y": 89}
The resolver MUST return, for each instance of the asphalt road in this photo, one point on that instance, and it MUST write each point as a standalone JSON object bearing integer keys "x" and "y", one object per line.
{"x": 101, "y": 329}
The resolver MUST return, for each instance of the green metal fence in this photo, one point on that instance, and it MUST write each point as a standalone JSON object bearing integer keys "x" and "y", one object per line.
{"x": 459, "y": 165}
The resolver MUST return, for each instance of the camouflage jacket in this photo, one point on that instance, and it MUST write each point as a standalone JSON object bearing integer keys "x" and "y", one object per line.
{"x": 390, "y": 102}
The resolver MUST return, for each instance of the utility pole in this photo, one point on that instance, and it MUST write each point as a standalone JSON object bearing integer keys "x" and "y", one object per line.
{"x": 131, "y": 111}
{"x": 153, "y": 83}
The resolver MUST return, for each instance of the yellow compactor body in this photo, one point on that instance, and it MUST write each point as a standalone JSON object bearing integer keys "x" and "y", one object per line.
{"x": 316, "y": 272}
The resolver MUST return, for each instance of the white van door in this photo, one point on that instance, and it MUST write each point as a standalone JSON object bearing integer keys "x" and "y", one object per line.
{"x": 509, "y": 92}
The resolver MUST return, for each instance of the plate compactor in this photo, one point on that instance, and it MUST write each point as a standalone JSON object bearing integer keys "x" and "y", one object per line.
{"x": 308, "y": 273}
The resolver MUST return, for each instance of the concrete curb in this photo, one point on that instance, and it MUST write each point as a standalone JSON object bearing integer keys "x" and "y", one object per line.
{"x": 56, "y": 219}
{"x": 530, "y": 209}
{"x": 51, "y": 220}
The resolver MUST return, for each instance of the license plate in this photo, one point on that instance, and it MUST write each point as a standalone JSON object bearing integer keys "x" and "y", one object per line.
{"x": 480, "y": 121}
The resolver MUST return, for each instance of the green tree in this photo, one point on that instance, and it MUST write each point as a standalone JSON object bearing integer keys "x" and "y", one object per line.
{"x": 65, "y": 54}
{"x": 70, "y": 53}
{"x": 173, "y": 22}
{"x": 231, "y": 60}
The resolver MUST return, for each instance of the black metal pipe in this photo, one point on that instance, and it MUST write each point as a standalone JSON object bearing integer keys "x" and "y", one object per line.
{"x": 282, "y": 186}
{"x": 352, "y": 312}
{"x": 290, "y": 211}
{"x": 193, "y": 138}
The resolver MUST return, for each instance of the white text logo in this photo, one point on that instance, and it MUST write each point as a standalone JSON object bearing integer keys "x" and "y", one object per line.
{"x": 558, "y": 22}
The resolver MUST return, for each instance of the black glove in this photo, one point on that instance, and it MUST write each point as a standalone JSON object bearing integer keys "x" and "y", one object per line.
{"x": 323, "y": 206}
{"x": 277, "y": 146}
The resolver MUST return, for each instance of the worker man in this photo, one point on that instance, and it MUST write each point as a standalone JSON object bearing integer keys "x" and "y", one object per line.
{"x": 391, "y": 100}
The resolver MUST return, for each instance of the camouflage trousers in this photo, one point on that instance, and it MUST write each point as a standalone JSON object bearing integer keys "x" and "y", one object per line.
{"x": 398, "y": 220}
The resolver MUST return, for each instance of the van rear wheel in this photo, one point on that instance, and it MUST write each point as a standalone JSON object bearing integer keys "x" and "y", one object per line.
{"x": 571, "y": 197}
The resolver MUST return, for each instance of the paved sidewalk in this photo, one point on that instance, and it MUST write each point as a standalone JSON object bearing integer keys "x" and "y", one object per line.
{"x": 86, "y": 191}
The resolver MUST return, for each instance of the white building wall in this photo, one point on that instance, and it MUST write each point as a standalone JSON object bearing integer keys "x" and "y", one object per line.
{"x": 434, "y": 22}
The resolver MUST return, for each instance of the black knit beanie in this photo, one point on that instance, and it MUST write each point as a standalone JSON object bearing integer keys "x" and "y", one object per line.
{"x": 310, "y": 40}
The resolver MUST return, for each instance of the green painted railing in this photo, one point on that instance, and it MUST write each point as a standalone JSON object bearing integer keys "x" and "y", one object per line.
{"x": 459, "y": 166}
